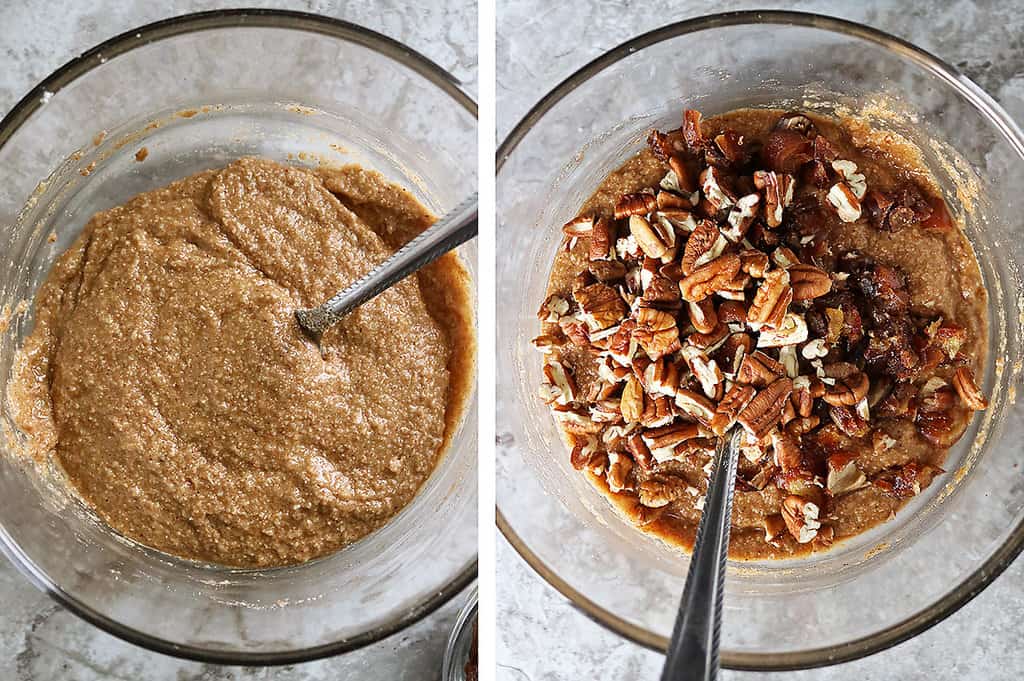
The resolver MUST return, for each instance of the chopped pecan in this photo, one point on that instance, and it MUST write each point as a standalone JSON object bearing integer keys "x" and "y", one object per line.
{"x": 579, "y": 226}
{"x": 771, "y": 302}
{"x": 846, "y": 203}
{"x": 695, "y": 405}
{"x": 907, "y": 480}
{"x": 801, "y": 517}
{"x": 854, "y": 180}
{"x": 774, "y": 526}
{"x": 601, "y": 305}
{"x": 709, "y": 342}
{"x": 684, "y": 178}
{"x": 667, "y": 437}
{"x": 784, "y": 257}
{"x": 786, "y": 451}
{"x": 692, "y": 133}
{"x": 656, "y": 332}
{"x": 602, "y": 240}
{"x": 787, "y": 150}
{"x": 577, "y": 423}
{"x": 950, "y": 337}
{"x": 607, "y": 270}
{"x": 703, "y": 315}
{"x": 963, "y": 381}
{"x": 553, "y": 308}
{"x": 631, "y": 404}
{"x": 843, "y": 474}
{"x": 657, "y": 412}
{"x": 661, "y": 145}
{"x": 640, "y": 203}
{"x": 653, "y": 240}
{"x": 585, "y": 454}
{"x": 802, "y": 425}
{"x": 704, "y": 245}
{"x": 706, "y": 370}
{"x": 734, "y": 401}
{"x": 850, "y": 387}
{"x": 672, "y": 205}
{"x": 758, "y": 370}
{"x": 808, "y": 282}
{"x": 941, "y": 428}
{"x": 547, "y": 342}
{"x": 662, "y": 489}
{"x": 741, "y": 216}
{"x": 716, "y": 188}
{"x": 662, "y": 377}
{"x": 778, "y": 194}
{"x": 849, "y": 421}
{"x": 619, "y": 468}
{"x": 641, "y": 454}
{"x": 707, "y": 279}
{"x": 753, "y": 262}
{"x": 605, "y": 411}
{"x": 622, "y": 345}
{"x": 791, "y": 331}
{"x": 732, "y": 312}
{"x": 765, "y": 410}
{"x": 559, "y": 385}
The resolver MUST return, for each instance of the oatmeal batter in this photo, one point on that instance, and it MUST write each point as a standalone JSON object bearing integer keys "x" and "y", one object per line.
{"x": 942, "y": 282}
{"x": 168, "y": 376}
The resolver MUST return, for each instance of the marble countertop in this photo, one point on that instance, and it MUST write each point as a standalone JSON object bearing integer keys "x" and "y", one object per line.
{"x": 39, "y": 640}
{"x": 540, "y": 635}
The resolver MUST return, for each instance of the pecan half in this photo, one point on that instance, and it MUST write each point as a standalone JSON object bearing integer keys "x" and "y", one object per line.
{"x": 765, "y": 410}
{"x": 640, "y": 203}
{"x": 559, "y": 385}
{"x": 707, "y": 279}
{"x": 641, "y": 454}
{"x": 963, "y": 381}
{"x": 808, "y": 282}
{"x": 684, "y": 178}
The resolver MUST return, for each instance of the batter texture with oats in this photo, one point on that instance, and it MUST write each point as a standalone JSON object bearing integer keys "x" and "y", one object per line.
{"x": 793, "y": 276}
{"x": 168, "y": 376}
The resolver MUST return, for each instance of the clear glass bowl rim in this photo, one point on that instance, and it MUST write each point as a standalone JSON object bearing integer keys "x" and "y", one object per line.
{"x": 169, "y": 28}
{"x": 984, "y": 574}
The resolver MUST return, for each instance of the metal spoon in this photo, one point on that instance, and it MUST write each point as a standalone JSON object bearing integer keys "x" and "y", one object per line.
{"x": 455, "y": 228}
{"x": 693, "y": 651}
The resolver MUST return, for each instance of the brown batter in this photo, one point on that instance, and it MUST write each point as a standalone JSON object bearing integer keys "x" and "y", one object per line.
{"x": 891, "y": 457}
{"x": 168, "y": 375}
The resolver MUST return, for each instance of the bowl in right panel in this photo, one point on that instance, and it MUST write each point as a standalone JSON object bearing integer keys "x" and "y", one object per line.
{"x": 873, "y": 590}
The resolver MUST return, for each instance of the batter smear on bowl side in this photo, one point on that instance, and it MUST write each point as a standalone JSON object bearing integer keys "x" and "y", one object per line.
{"x": 791, "y": 275}
{"x": 167, "y": 375}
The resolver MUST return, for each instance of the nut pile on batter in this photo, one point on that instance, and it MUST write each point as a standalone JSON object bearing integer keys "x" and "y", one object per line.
{"x": 716, "y": 299}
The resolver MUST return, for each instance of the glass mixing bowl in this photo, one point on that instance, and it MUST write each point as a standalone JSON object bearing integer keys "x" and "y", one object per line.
{"x": 197, "y": 92}
{"x": 871, "y": 591}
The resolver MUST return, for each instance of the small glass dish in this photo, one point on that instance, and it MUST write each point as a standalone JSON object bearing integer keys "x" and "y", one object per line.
{"x": 197, "y": 92}
{"x": 871, "y": 591}
{"x": 461, "y": 641}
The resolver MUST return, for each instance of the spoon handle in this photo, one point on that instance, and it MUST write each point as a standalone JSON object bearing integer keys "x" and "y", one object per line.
{"x": 454, "y": 228}
{"x": 693, "y": 652}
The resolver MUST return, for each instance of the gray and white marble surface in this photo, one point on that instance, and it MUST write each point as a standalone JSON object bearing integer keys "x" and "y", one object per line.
{"x": 39, "y": 640}
{"x": 539, "y": 43}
